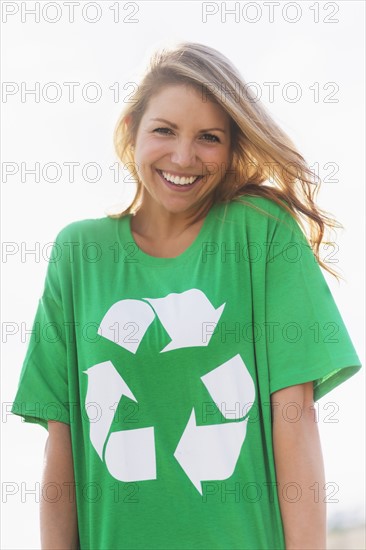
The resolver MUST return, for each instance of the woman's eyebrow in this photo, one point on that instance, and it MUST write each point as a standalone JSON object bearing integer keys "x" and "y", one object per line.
{"x": 176, "y": 127}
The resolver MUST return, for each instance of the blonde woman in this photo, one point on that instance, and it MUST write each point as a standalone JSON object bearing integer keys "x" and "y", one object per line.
{"x": 192, "y": 333}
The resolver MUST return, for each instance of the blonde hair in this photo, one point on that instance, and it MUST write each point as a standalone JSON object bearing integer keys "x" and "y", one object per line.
{"x": 261, "y": 151}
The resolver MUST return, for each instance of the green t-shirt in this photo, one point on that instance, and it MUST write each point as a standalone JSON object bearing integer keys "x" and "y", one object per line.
{"x": 164, "y": 367}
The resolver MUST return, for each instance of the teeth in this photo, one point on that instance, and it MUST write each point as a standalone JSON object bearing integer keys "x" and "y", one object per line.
{"x": 178, "y": 180}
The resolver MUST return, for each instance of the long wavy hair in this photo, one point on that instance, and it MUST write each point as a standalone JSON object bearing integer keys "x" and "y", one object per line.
{"x": 261, "y": 152}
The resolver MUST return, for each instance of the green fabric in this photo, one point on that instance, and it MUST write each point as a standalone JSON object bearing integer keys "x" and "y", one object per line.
{"x": 164, "y": 367}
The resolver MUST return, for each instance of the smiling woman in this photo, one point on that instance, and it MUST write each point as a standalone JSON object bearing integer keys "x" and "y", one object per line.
{"x": 188, "y": 404}
{"x": 193, "y": 83}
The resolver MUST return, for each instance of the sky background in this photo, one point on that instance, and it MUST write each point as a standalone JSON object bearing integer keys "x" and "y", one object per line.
{"x": 313, "y": 49}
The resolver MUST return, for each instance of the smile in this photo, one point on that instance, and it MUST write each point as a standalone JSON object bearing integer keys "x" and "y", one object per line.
{"x": 179, "y": 181}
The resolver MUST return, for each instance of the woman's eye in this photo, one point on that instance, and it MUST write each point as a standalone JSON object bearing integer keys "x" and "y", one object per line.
{"x": 162, "y": 130}
{"x": 206, "y": 137}
{"x": 211, "y": 138}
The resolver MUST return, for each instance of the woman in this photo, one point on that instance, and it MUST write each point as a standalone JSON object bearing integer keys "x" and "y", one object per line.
{"x": 192, "y": 334}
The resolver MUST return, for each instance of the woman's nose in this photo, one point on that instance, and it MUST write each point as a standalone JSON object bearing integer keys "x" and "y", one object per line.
{"x": 183, "y": 153}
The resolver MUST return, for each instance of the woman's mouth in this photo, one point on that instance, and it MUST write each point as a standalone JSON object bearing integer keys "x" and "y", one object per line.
{"x": 179, "y": 183}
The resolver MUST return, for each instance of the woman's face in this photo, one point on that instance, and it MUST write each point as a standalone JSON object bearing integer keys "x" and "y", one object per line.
{"x": 182, "y": 149}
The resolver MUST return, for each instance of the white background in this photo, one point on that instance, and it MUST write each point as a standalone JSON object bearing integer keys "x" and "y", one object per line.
{"x": 107, "y": 52}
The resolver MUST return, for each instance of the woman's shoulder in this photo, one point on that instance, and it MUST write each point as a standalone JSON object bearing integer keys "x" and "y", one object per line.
{"x": 263, "y": 217}
{"x": 260, "y": 209}
{"x": 87, "y": 228}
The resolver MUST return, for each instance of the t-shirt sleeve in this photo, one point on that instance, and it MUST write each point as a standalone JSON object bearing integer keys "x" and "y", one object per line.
{"x": 306, "y": 337}
{"x": 42, "y": 392}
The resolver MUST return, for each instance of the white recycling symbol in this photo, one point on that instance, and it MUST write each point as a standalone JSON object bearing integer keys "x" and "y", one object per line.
{"x": 204, "y": 452}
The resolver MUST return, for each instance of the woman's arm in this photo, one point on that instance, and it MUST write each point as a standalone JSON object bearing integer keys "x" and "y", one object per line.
{"x": 299, "y": 463}
{"x": 58, "y": 515}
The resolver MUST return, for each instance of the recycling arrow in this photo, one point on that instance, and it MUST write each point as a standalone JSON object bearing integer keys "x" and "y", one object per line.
{"x": 184, "y": 315}
{"x": 210, "y": 452}
{"x": 130, "y": 455}
{"x": 126, "y": 322}
{"x": 105, "y": 389}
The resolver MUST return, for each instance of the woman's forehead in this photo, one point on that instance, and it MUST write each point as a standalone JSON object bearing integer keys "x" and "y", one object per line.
{"x": 179, "y": 98}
